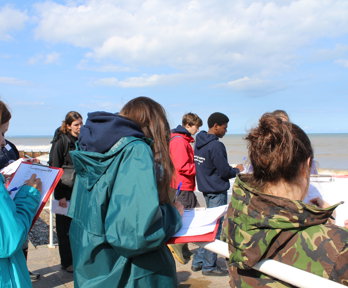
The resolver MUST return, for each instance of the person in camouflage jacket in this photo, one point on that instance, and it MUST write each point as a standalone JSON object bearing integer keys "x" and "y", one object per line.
{"x": 262, "y": 225}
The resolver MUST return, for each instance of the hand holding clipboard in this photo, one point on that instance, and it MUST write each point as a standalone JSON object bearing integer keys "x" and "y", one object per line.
{"x": 48, "y": 180}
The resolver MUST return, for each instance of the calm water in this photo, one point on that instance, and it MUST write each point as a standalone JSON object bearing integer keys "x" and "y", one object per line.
{"x": 330, "y": 150}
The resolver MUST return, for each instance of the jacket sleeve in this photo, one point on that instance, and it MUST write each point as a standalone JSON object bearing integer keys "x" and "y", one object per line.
{"x": 16, "y": 218}
{"x": 135, "y": 223}
{"x": 57, "y": 153}
{"x": 180, "y": 157}
{"x": 219, "y": 157}
{"x": 57, "y": 160}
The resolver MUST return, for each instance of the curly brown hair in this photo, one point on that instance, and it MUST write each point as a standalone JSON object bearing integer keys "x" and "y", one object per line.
{"x": 277, "y": 149}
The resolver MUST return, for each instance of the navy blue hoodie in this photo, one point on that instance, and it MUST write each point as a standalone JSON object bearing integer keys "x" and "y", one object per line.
{"x": 212, "y": 168}
{"x": 103, "y": 129}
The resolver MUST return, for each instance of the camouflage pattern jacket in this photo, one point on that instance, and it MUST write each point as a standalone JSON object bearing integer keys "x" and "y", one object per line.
{"x": 260, "y": 226}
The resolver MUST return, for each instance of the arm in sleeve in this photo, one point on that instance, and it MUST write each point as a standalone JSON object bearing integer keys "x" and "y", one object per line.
{"x": 57, "y": 153}
{"x": 180, "y": 158}
{"x": 57, "y": 160}
{"x": 135, "y": 222}
{"x": 220, "y": 161}
{"x": 16, "y": 218}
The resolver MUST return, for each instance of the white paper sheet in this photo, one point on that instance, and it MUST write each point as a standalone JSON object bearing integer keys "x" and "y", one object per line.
{"x": 200, "y": 221}
{"x": 56, "y": 209}
{"x": 24, "y": 172}
{"x": 333, "y": 190}
{"x": 11, "y": 168}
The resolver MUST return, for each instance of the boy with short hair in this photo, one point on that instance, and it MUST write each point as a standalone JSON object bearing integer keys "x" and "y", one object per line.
{"x": 213, "y": 173}
{"x": 182, "y": 156}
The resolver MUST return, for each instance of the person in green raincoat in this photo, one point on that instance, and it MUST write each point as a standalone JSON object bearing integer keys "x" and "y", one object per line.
{"x": 267, "y": 218}
{"x": 16, "y": 217}
{"x": 121, "y": 211}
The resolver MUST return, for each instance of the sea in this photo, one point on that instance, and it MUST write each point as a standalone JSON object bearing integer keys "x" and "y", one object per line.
{"x": 330, "y": 150}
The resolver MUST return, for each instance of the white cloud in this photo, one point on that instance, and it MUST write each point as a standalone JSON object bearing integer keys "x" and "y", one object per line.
{"x": 50, "y": 58}
{"x": 233, "y": 37}
{"x": 142, "y": 81}
{"x": 10, "y": 20}
{"x": 254, "y": 85}
{"x": 13, "y": 81}
{"x": 342, "y": 62}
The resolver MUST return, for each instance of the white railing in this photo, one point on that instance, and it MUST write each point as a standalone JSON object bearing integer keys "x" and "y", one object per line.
{"x": 278, "y": 270}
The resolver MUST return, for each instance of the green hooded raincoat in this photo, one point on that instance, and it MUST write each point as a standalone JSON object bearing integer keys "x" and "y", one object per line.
{"x": 119, "y": 229}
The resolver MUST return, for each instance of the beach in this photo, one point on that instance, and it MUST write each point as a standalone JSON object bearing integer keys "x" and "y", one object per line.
{"x": 331, "y": 156}
{"x": 330, "y": 150}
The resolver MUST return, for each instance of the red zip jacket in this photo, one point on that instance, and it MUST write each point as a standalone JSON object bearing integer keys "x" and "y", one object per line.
{"x": 181, "y": 153}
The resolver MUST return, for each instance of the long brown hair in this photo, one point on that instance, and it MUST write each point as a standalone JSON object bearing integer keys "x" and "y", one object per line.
{"x": 277, "y": 150}
{"x": 152, "y": 120}
{"x": 69, "y": 118}
{"x": 5, "y": 114}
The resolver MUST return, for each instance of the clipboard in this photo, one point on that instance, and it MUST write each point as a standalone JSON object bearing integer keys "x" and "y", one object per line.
{"x": 49, "y": 176}
{"x": 208, "y": 237}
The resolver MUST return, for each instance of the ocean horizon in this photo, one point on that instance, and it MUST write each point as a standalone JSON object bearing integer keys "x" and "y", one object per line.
{"x": 330, "y": 149}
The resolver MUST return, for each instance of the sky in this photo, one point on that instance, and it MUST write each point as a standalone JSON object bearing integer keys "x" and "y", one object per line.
{"x": 241, "y": 57}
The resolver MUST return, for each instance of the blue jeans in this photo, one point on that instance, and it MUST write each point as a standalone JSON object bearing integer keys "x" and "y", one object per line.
{"x": 204, "y": 257}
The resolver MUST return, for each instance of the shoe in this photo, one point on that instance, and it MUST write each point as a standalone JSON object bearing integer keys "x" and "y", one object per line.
{"x": 196, "y": 268}
{"x": 68, "y": 269}
{"x": 216, "y": 272}
{"x": 34, "y": 276}
{"x": 186, "y": 252}
{"x": 176, "y": 250}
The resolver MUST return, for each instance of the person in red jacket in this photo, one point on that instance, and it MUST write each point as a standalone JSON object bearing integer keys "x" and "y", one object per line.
{"x": 182, "y": 156}
{"x": 181, "y": 153}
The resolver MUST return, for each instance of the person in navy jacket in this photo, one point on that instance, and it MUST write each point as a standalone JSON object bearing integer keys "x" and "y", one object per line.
{"x": 213, "y": 173}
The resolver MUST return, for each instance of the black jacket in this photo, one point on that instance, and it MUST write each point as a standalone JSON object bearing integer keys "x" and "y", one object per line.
{"x": 60, "y": 157}
{"x": 8, "y": 153}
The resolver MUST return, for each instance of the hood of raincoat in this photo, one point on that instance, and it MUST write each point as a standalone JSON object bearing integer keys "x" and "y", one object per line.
{"x": 101, "y": 138}
{"x": 103, "y": 129}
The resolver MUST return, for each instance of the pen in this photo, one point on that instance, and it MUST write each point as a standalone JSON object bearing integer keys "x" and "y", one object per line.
{"x": 27, "y": 156}
{"x": 14, "y": 189}
{"x": 178, "y": 190}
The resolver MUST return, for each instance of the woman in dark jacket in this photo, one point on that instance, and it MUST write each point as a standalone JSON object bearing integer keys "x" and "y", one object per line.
{"x": 63, "y": 142}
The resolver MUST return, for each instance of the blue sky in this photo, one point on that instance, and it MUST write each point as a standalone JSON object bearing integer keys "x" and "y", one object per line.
{"x": 242, "y": 58}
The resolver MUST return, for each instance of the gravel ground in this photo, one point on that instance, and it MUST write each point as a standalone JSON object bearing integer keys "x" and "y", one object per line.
{"x": 39, "y": 233}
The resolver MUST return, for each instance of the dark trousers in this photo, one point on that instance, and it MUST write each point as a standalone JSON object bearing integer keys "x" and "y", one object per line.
{"x": 63, "y": 226}
{"x": 204, "y": 257}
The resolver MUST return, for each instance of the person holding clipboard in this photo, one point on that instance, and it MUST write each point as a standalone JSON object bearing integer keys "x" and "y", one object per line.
{"x": 15, "y": 220}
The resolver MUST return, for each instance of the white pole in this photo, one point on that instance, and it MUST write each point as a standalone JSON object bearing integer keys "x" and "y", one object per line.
{"x": 50, "y": 244}
{"x": 284, "y": 272}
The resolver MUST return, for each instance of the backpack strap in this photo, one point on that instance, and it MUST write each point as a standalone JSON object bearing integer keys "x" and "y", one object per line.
{"x": 175, "y": 137}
